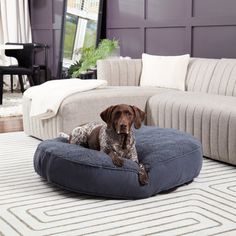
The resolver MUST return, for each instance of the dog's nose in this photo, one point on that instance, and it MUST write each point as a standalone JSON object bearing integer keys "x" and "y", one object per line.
{"x": 123, "y": 126}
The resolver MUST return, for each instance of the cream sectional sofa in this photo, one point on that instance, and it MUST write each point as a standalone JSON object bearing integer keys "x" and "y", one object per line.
{"x": 207, "y": 109}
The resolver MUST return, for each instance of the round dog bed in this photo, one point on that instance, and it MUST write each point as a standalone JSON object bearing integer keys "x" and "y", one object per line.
{"x": 171, "y": 158}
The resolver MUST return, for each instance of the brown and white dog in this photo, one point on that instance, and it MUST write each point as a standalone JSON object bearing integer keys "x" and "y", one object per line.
{"x": 116, "y": 137}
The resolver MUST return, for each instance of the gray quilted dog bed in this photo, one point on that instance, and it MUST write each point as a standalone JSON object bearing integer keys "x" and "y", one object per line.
{"x": 171, "y": 158}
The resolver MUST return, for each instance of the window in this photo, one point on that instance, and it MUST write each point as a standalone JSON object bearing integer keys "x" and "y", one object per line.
{"x": 90, "y": 33}
{"x": 80, "y": 28}
{"x": 70, "y": 33}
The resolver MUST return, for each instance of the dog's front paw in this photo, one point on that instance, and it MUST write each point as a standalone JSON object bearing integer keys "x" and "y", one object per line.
{"x": 118, "y": 161}
{"x": 142, "y": 175}
{"x": 64, "y": 135}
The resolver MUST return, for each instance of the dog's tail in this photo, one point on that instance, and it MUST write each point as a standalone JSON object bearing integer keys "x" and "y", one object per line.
{"x": 64, "y": 135}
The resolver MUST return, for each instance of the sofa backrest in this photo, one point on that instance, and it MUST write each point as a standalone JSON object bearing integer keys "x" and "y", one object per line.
{"x": 223, "y": 81}
{"x": 217, "y": 76}
{"x": 199, "y": 74}
{"x": 120, "y": 72}
{"x": 127, "y": 72}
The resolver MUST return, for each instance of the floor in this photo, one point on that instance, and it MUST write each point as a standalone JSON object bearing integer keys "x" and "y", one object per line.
{"x": 11, "y": 124}
{"x": 31, "y": 206}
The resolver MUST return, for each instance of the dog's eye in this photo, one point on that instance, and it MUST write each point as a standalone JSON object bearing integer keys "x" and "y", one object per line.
{"x": 128, "y": 113}
{"x": 118, "y": 113}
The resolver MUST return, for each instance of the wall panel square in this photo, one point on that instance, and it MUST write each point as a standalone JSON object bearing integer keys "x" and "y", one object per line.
{"x": 158, "y": 9}
{"x": 214, "y": 8}
{"x": 214, "y": 41}
{"x": 123, "y": 12}
{"x": 166, "y": 41}
{"x": 131, "y": 43}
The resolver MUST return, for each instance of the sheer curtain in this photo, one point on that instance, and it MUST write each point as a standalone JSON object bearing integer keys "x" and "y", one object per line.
{"x": 14, "y": 27}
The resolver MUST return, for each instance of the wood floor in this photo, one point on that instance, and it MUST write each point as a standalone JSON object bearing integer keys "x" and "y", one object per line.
{"x": 11, "y": 124}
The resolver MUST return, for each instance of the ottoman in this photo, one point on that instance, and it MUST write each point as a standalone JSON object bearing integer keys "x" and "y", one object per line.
{"x": 171, "y": 157}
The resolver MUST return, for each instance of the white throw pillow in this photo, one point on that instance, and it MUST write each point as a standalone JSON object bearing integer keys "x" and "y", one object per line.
{"x": 164, "y": 71}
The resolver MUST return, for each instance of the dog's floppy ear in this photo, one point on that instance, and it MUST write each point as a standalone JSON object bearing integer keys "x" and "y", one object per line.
{"x": 139, "y": 117}
{"x": 106, "y": 115}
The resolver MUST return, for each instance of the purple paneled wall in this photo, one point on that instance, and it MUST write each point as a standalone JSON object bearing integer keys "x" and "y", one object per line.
{"x": 203, "y": 28}
{"x": 46, "y": 23}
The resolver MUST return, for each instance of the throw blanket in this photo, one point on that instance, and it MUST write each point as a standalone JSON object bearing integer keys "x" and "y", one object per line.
{"x": 47, "y": 97}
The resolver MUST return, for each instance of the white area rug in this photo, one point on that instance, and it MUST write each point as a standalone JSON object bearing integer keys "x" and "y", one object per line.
{"x": 11, "y": 105}
{"x": 30, "y": 206}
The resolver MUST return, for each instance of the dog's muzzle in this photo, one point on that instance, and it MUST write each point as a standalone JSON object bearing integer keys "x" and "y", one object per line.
{"x": 123, "y": 129}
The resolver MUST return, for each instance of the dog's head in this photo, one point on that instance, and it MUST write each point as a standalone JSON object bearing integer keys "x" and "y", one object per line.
{"x": 121, "y": 117}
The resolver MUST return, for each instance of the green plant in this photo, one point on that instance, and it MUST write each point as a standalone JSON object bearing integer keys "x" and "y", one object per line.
{"x": 90, "y": 55}
{"x": 74, "y": 67}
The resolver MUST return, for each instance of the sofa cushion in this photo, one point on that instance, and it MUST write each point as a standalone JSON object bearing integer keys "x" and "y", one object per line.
{"x": 210, "y": 118}
{"x": 74, "y": 110}
{"x": 171, "y": 158}
{"x": 164, "y": 71}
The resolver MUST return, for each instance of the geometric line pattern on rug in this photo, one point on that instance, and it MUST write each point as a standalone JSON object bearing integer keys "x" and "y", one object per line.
{"x": 31, "y": 206}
